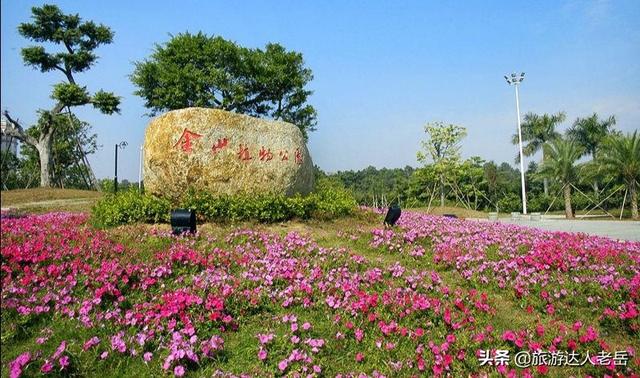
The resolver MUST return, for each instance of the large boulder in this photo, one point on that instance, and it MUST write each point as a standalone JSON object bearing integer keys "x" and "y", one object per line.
{"x": 224, "y": 153}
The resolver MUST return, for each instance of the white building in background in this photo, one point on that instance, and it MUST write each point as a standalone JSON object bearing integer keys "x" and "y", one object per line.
{"x": 8, "y": 143}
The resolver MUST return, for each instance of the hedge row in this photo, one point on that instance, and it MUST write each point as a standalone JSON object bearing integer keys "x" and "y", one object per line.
{"x": 327, "y": 202}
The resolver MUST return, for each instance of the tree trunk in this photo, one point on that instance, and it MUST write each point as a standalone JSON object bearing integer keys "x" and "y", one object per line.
{"x": 567, "y": 202}
{"x": 46, "y": 156}
{"x": 595, "y": 182}
{"x": 441, "y": 191}
{"x": 634, "y": 200}
{"x": 545, "y": 182}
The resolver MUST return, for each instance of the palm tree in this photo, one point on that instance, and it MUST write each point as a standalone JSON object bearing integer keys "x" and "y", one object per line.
{"x": 590, "y": 132}
{"x": 561, "y": 156}
{"x": 621, "y": 156}
{"x": 538, "y": 130}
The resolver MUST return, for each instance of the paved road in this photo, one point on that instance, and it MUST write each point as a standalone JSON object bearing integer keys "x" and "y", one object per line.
{"x": 621, "y": 230}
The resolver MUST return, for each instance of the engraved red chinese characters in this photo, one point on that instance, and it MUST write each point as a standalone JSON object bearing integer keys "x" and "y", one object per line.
{"x": 220, "y": 144}
{"x": 185, "y": 140}
{"x": 243, "y": 153}
{"x": 265, "y": 154}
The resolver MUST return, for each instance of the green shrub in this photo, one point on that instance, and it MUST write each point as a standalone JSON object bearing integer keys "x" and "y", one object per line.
{"x": 129, "y": 207}
{"x": 327, "y": 202}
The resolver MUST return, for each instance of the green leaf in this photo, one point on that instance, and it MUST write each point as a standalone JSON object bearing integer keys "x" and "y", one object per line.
{"x": 70, "y": 94}
{"x": 106, "y": 102}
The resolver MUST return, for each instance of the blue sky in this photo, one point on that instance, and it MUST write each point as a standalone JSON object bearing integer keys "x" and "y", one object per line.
{"x": 382, "y": 69}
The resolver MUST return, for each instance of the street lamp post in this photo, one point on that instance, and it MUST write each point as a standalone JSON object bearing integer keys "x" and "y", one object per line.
{"x": 515, "y": 80}
{"x": 121, "y": 145}
{"x": 140, "y": 169}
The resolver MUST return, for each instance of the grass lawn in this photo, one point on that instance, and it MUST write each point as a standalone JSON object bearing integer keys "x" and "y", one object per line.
{"x": 460, "y": 212}
{"x": 42, "y": 200}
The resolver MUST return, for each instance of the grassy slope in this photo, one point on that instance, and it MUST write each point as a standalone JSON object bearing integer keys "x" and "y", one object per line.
{"x": 39, "y": 200}
{"x": 460, "y": 212}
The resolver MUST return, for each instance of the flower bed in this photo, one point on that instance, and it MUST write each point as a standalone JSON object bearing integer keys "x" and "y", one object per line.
{"x": 426, "y": 298}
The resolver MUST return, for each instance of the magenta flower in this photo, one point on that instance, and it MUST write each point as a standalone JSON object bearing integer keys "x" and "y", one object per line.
{"x": 64, "y": 362}
{"x": 15, "y": 366}
{"x": 47, "y": 367}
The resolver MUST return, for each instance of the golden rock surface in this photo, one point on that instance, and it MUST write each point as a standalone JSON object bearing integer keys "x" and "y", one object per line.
{"x": 224, "y": 153}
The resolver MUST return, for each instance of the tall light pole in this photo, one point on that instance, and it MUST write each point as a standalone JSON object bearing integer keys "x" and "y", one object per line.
{"x": 515, "y": 80}
{"x": 121, "y": 145}
{"x": 140, "y": 170}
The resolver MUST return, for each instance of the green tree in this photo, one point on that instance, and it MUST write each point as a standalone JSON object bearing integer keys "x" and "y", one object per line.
{"x": 71, "y": 142}
{"x": 590, "y": 132}
{"x": 538, "y": 130}
{"x": 621, "y": 157}
{"x": 443, "y": 147}
{"x": 11, "y": 172}
{"x": 469, "y": 184}
{"x": 77, "y": 40}
{"x": 196, "y": 70}
{"x": 560, "y": 164}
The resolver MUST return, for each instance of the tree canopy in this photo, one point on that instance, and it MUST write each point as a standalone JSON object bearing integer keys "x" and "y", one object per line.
{"x": 75, "y": 41}
{"x": 590, "y": 132}
{"x": 212, "y": 72}
{"x": 78, "y": 40}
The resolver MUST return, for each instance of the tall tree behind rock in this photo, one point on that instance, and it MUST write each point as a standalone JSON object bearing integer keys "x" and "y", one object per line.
{"x": 443, "y": 147}
{"x": 621, "y": 157}
{"x": 590, "y": 132}
{"x": 77, "y": 41}
{"x": 538, "y": 130}
{"x": 197, "y": 70}
{"x": 71, "y": 142}
{"x": 560, "y": 164}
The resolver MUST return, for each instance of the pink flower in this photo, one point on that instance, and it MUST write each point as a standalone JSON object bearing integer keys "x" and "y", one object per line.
{"x": 265, "y": 338}
{"x": 15, "y": 366}
{"x": 104, "y": 355}
{"x": 550, "y": 309}
{"x": 262, "y": 354}
{"x": 60, "y": 350}
{"x": 306, "y": 326}
{"x": 283, "y": 365}
{"x": 577, "y": 325}
{"x": 359, "y": 357}
{"x": 509, "y": 336}
{"x": 178, "y": 371}
{"x": 47, "y": 367}
{"x": 147, "y": 356}
{"x": 64, "y": 362}
{"x": 91, "y": 343}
